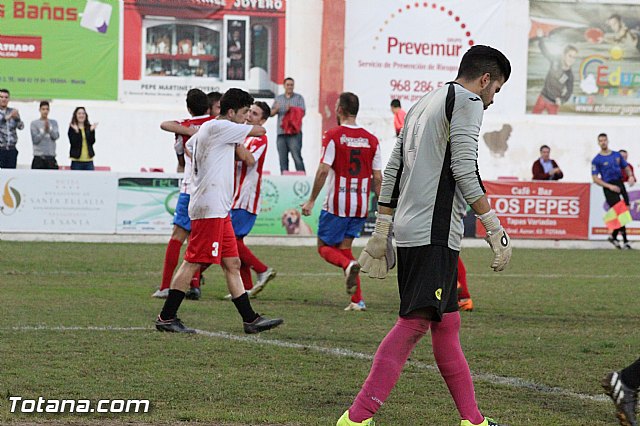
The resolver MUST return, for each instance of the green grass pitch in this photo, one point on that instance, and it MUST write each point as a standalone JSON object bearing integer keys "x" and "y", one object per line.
{"x": 78, "y": 323}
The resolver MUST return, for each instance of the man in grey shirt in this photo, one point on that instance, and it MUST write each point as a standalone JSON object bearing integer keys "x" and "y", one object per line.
{"x": 430, "y": 178}
{"x": 9, "y": 122}
{"x": 44, "y": 133}
{"x": 290, "y": 109}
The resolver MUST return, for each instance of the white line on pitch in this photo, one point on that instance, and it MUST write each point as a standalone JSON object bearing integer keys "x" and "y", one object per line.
{"x": 341, "y": 274}
{"x": 493, "y": 379}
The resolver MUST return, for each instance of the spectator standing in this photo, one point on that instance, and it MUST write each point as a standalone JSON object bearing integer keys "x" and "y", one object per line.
{"x": 290, "y": 109}
{"x": 606, "y": 170}
{"x": 44, "y": 133}
{"x": 82, "y": 137}
{"x": 9, "y": 122}
{"x": 398, "y": 115}
{"x": 350, "y": 159}
{"x": 544, "y": 168}
{"x": 625, "y": 177}
{"x": 558, "y": 84}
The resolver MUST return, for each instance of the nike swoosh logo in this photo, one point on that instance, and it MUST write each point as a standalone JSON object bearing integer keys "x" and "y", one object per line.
{"x": 475, "y": 99}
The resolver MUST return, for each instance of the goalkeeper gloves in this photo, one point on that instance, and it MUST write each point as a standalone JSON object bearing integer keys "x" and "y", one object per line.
{"x": 378, "y": 255}
{"x": 498, "y": 240}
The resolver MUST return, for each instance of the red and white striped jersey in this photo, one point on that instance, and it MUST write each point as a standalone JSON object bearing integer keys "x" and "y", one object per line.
{"x": 180, "y": 142}
{"x": 248, "y": 179}
{"x": 353, "y": 154}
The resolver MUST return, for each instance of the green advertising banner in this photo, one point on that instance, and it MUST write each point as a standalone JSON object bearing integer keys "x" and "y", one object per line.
{"x": 146, "y": 205}
{"x": 62, "y": 49}
{"x": 281, "y": 212}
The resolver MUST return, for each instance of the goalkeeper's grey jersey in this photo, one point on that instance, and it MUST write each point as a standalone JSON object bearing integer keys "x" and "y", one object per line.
{"x": 432, "y": 173}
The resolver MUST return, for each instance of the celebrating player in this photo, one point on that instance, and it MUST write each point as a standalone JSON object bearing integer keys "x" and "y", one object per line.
{"x": 198, "y": 107}
{"x": 430, "y": 178}
{"x": 212, "y": 240}
{"x": 350, "y": 158}
{"x": 246, "y": 202}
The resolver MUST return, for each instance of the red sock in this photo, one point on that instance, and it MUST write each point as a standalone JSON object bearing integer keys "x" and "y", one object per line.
{"x": 334, "y": 256}
{"x": 390, "y": 357}
{"x": 357, "y": 296}
{"x": 195, "y": 281}
{"x": 463, "y": 290}
{"x": 245, "y": 274}
{"x": 453, "y": 366}
{"x": 247, "y": 256}
{"x": 171, "y": 257}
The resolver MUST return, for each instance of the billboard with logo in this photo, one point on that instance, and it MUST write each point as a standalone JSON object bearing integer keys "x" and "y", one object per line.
{"x": 599, "y": 206}
{"x": 281, "y": 213}
{"x": 540, "y": 209}
{"x": 146, "y": 205}
{"x": 583, "y": 58}
{"x": 54, "y": 201}
{"x": 386, "y": 57}
{"x": 63, "y": 49}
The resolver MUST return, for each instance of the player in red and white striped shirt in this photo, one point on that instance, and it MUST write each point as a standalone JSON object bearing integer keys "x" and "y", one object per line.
{"x": 246, "y": 202}
{"x": 199, "y": 107}
{"x": 351, "y": 165}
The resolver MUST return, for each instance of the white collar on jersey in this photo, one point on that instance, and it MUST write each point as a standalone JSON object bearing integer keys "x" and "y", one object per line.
{"x": 351, "y": 126}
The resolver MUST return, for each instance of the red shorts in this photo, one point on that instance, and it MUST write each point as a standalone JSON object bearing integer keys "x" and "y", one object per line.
{"x": 211, "y": 240}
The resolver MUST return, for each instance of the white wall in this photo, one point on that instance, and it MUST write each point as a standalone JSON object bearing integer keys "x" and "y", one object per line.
{"x": 129, "y": 137}
{"x": 572, "y": 138}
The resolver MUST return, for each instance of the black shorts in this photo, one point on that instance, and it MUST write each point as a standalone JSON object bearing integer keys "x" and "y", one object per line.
{"x": 427, "y": 277}
{"x": 614, "y": 197}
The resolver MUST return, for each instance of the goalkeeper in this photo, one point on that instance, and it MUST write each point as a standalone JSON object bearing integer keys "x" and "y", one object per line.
{"x": 431, "y": 176}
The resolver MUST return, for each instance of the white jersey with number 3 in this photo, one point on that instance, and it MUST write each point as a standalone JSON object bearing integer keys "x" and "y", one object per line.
{"x": 213, "y": 151}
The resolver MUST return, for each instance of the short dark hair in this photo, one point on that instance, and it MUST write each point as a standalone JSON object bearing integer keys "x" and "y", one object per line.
{"x": 197, "y": 102}
{"x": 544, "y": 146}
{"x": 5, "y": 91}
{"x": 213, "y": 98}
{"x": 616, "y": 17}
{"x": 286, "y": 79}
{"x": 603, "y": 135}
{"x": 480, "y": 59}
{"x": 396, "y": 103}
{"x": 44, "y": 103}
{"x": 266, "y": 110}
{"x": 349, "y": 103}
{"x": 235, "y": 99}
{"x": 623, "y": 150}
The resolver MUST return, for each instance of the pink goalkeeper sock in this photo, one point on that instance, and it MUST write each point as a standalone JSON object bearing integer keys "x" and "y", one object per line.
{"x": 390, "y": 357}
{"x": 453, "y": 366}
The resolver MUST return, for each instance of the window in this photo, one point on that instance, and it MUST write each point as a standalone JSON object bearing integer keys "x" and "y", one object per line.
{"x": 184, "y": 50}
{"x": 260, "y": 47}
